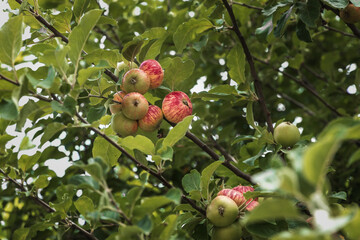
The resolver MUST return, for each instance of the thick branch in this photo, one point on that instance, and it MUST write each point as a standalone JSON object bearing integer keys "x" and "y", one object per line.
{"x": 46, "y": 206}
{"x": 257, "y": 82}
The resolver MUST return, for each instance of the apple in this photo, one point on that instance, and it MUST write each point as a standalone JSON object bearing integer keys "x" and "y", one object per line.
{"x": 350, "y": 14}
{"x": 122, "y": 125}
{"x": 152, "y": 119}
{"x": 236, "y": 196}
{"x": 155, "y": 72}
{"x": 116, "y": 107}
{"x": 122, "y": 66}
{"x": 286, "y": 134}
{"x": 250, "y": 203}
{"x": 176, "y": 106}
{"x": 135, "y": 80}
{"x": 232, "y": 232}
{"x": 135, "y": 106}
{"x": 222, "y": 211}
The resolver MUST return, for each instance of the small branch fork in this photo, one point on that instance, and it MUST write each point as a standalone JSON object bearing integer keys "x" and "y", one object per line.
{"x": 189, "y": 135}
{"x": 46, "y": 206}
{"x": 249, "y": 58}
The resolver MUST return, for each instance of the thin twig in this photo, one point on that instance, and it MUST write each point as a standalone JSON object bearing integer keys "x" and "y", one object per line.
{"x": 9, "y": 80}
{"x": 302, "y": 83}
{"x": 249, "y": 58}
{"x": 338, "y": 31}
{"x": 247, "y": 5}
{"x": 47, "y": 206}
{"x": 99, "y": 30}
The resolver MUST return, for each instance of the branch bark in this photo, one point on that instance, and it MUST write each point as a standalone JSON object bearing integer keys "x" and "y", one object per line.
{"x": 249, "y": 58}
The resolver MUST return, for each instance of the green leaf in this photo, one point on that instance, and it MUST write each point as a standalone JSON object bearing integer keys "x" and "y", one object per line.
{"x": 272, "y": 209}
{"x": 354, "y": 157}
{"x": 26, "y": 162}
{"x": 79, "y": 8}
{"x": 95, "y": 113}
{"x": 177, "y": 71}
{"x": 150, "y": 204}
{"x": 302, "y": 33}
{"x": 111, "y": 56}
{"x": 42, "y": 181}
{"x": 309, "y": 12}
{"x": 26, "y": 144}
{"x": 250, "y": 115}
{"x": 175, "y": 195}
{"x": 188, "y": 31}
{"x": 266, "y": 27}
{"x": 21, "y": 233}
{"x": 51, "y": 130}
{"x": 236, "y": 63}
{"x": 79, "y": 35}
{"x": 138, "y": 142}
{"x": 132, "y": 48}
{"x": 69, "y": 106}
{"x": 84, "y": 205}
{"x": 206, "y": 176}
{"x": 191, "y": 181}
{"x": 178, "y": 132}
{"x": 8, "y": 110}
{"x": 145, "y": 224}
{"x": 11, "y": 40}
{"x": 102, "y": 148}
{"x": 282, "y": 22}
{"x": 337, "y": 3}
{"x": 352, "y": 229}
{"x": 170, "y": 223}
{"x": 85, "y": 74}
{"x": 46, "y": 83}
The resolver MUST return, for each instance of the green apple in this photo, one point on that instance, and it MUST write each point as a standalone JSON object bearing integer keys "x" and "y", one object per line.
{"x": 286, "y": 134}
{"x": 135, "y": 80}
{"x": 232, "y": 232}
{"x": 122, "y": 125}
{"x": 134, "y": 106}
{"x": 222, "y": 211}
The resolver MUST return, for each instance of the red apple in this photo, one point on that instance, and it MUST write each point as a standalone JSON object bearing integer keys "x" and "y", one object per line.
{"x": 135, "y": 80}
{"x": 350, "y": 14}
{"x": 152, "y": 119}
{"x": 236, "y": 196}
{"x": 122, "y": 125}
{"x": 135, "y": 106}
{"x": 176, "y": 106}
{"x": 116, "y": 107}
{"x": 251, "y": 203}
{"x": 154, "y": 71}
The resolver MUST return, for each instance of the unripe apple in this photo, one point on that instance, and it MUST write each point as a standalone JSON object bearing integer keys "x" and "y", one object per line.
{"x": 236, "y": 196}
{"x": 152, "y": 119}
{"x": 122, "y": 125}
{"x": 232, "y": 232}
{"x": 124, "y": 66}
{"x": 135, "y": 80}
{"x": 155, "y": 72}
{"x": 222, "y": 211}
{"x": 134, "y": 106}
{"x": 350, "y": 14}
{"x": 286, "y": 134}
{"x": 176, "y": 106}
{"x": 116, "y": 107}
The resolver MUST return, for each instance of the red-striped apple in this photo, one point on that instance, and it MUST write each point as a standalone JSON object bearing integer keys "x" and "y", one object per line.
{"x": 152, "y": 119}
{"x": 122, "y": 125}
{"x": 155, "y": 72}
{"x": 116, "y": 107}
{"x": 222, "y": 211}
{"x": 135, "y": 80}
{"x": 250, "y": 203}
{"x": 236, "y": 196}
{"x": 176, "y": 106}
{"x": 134, "y": 106}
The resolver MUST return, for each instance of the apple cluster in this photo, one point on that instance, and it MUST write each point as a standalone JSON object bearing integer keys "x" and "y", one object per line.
{"x": 131, "y": 110}
{"x": 225, "y": 208}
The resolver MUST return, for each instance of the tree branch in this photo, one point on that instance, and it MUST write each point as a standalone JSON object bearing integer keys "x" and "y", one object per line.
{"x": 249, "y": 58}
{"x": 247, "y": 5}
{"x": 47, "y": 206}
{"x": 306, "y": 86}
{"x": 9, "y": 80}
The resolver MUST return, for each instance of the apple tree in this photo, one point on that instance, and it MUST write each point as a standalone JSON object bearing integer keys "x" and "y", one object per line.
{"x": 212, "y": 167}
